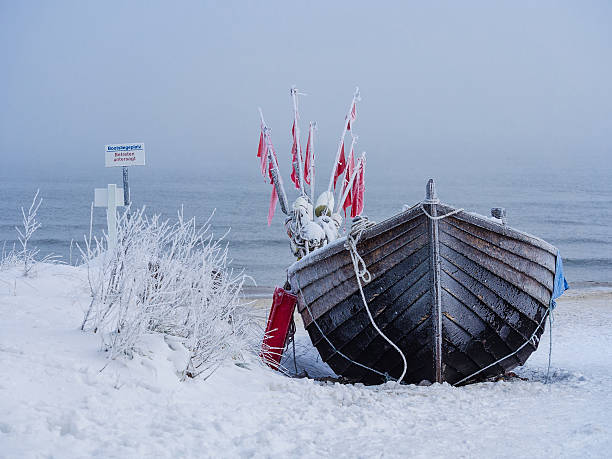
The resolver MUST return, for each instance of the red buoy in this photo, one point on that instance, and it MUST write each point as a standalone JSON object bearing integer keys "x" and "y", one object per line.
{"x": 277, "y": 329}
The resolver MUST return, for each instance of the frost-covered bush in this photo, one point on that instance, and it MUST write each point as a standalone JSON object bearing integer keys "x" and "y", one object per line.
{"x": 27, "y": 255}
{"x": 8, "y": 258}
{"x": 172, "y": 279}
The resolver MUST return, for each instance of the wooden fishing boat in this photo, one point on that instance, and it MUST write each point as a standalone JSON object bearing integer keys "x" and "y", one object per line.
{"x": 464, "y": 297}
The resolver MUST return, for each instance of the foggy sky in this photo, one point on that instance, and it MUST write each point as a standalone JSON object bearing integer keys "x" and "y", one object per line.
{"x": 461, "y": 82}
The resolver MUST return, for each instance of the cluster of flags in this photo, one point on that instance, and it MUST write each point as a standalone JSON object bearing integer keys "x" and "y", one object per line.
{"x": 309, "y": 160}
{"x": 353, "y": 185}
{"x": 295, "y": 158}
{"x": 340, "y": 165}
{"x": 268, "y": 163}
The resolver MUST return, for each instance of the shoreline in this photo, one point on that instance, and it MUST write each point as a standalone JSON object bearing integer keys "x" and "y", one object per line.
{"x": 259, "y": 293}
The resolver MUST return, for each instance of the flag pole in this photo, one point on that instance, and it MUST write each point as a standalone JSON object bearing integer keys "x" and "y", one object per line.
{"x": 277, "y": 181}
{"x": 353, "y": 142}
{"x": 346, "y": 123}
{"x": 312, "y": 164}
{"x": 300, "y": 162}
{"x": 351, "y": 181}
{"x": 343, "y": 188}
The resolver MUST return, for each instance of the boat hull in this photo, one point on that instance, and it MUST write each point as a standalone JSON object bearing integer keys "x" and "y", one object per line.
{"x": 456, "y": 295}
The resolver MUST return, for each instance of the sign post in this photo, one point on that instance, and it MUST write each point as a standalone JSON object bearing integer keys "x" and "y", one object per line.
{"x": 125, "y": 155}
{"x": 126, "y": 187}
{"x": 111, "y": 198}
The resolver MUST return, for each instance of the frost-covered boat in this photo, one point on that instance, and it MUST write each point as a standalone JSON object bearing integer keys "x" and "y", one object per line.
{"x": 464, "y": 297}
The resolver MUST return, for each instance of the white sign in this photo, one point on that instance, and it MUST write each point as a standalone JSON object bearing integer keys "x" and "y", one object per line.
{"x": 101, "y": 197}
{"x": 128, "y": 154}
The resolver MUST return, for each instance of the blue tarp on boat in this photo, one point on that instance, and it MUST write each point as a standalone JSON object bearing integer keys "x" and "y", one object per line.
{"x": 560, "y": 284}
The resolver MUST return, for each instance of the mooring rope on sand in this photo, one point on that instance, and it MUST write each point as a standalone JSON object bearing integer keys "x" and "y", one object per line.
{"x": 359, "y": 225}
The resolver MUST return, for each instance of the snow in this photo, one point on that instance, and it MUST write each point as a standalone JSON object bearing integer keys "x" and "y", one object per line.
{"x": 60, "y": 396}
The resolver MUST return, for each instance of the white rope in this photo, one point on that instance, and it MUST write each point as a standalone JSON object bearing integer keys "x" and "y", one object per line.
{"x": 337, "y": 351}
{"x": 362, "y": 224}
{"x": 361, "y": 270}
{"x": 362, "y": 274}
{"x": 439, "y": 217}
{"x": 532, "y": 339}
{"x": 550, "y": 321}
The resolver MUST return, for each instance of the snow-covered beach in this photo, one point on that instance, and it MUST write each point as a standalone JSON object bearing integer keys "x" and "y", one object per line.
{"x": 60, "y": 396}
{"x": 422, "y": 179}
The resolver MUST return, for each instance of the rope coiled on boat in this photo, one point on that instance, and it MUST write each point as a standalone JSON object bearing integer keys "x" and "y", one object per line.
{"x": 359, "y": 225}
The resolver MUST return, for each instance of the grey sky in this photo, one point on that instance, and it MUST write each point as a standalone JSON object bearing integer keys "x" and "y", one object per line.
{"x": 444, "y": 80}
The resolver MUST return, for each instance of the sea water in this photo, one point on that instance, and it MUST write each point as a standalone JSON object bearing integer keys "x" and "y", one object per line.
{"x": 569, "y": 207}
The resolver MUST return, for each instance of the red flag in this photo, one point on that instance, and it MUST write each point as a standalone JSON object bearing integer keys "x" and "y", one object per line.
{"x": 269, "y": 162}
{"x": 264, "y": 164}
{"x": 274, "y": 197}
{"x": 309, "y": 158}
{"x": 261, "y": 145}
{"x": 341, "y": 166}
{"x": 352, "y": 116}
{"x": 262, "y": 152}
{"x": 273, "y": 201}
{"x": 264, "y": 160}
{"x": 347, "y": 178}
{"x": 294, "y": 162}
{"x": 294, "y": 159}
{"x": 358, "y": 191}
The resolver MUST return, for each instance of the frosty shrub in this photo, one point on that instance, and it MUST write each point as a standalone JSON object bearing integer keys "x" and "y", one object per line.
{"x": 8, "y": 258}
{"x": 26, "y": 255}
{"x": 171, "y": 279}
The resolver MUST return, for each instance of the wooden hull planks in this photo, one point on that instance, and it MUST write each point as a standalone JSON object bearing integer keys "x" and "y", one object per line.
{"x": 456, "y": 294}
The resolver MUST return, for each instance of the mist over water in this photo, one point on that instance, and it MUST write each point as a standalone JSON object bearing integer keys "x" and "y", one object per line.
{"x": 505, "y": 104}
{"x": 569, "y": 206}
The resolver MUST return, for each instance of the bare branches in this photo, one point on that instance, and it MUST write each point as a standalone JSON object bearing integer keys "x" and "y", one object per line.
{"x": 168, "y": 278}
{"x": 27, "y": 254}
{"x": 30, "y": 225}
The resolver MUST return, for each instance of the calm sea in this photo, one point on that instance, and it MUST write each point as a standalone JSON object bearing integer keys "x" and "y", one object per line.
{"x": 569, "y": 207}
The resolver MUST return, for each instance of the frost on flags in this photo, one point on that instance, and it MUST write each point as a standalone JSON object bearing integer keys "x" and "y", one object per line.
{"x": 358, "y": 189}
{"x": 340, "y": 162}
{"x": 309, "y": 159}
{"x": 295, "y": 161}
{"x": 269, "y": 170}
{"x": 313, "y": 221}
{"x": 340, "y": 165}
{"x": 347, "y": 180}
{"x": 352, "y": 115}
